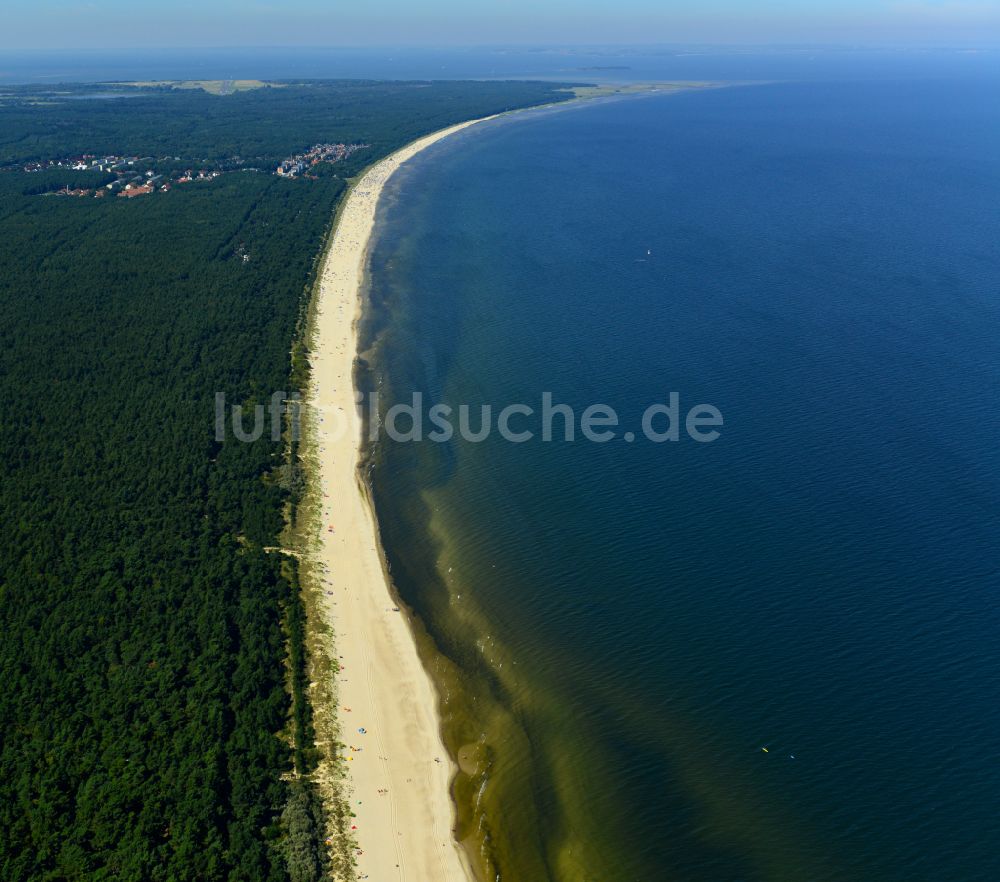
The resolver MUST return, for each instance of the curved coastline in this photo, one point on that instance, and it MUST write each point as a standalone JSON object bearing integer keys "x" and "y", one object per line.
{"x": 471, "y": 718}
{"x": 398, "y": 773}
{"x": 405, "y": 808}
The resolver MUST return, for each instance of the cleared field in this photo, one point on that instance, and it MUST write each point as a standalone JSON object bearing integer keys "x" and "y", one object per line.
{"x": 214, "y": 87}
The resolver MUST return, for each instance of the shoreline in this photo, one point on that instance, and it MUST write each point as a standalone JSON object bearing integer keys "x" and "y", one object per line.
{"x": 389, "y": 790}
{"x": 395, "y": 774}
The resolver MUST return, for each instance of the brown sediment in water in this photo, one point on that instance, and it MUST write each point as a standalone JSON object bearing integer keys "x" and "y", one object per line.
{"x": 398, "y": 770}
{"x": 493, "y": 764}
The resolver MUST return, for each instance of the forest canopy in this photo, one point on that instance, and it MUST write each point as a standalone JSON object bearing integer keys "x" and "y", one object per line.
{"x": 144, "y": 628}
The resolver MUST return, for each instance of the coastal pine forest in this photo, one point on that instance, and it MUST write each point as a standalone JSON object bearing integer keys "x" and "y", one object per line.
{"x": 151, "y": 635}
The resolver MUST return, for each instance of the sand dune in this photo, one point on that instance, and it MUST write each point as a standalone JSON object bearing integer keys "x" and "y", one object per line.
{"x": 398, "y": 771}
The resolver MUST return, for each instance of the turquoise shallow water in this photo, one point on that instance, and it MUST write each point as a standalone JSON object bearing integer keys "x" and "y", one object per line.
{"x": 634, "y": 623}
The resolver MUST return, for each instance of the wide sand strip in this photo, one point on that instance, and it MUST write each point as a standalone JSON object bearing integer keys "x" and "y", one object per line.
{"x": 398, "y": 771}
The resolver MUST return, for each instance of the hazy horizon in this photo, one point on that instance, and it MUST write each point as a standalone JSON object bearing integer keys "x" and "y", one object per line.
{"x": 447, "y": 23}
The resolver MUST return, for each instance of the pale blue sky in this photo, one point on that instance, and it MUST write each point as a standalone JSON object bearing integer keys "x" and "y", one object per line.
{"x": 106, "y": 23}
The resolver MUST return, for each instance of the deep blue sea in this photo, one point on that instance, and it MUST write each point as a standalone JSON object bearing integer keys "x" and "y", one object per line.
{"x": 775, "y": 656}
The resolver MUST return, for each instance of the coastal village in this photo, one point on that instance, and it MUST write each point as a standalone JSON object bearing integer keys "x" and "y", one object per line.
{"x": 300, "y": 164}
{"x": 143, "y": 175}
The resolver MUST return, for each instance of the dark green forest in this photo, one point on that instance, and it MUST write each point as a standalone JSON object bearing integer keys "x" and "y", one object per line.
{"x": 261, "y": 126}
{"x": 147, "y": 636}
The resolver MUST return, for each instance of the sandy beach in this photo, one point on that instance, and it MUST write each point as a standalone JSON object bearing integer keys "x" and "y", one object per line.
{"x": 399, "y": 773}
